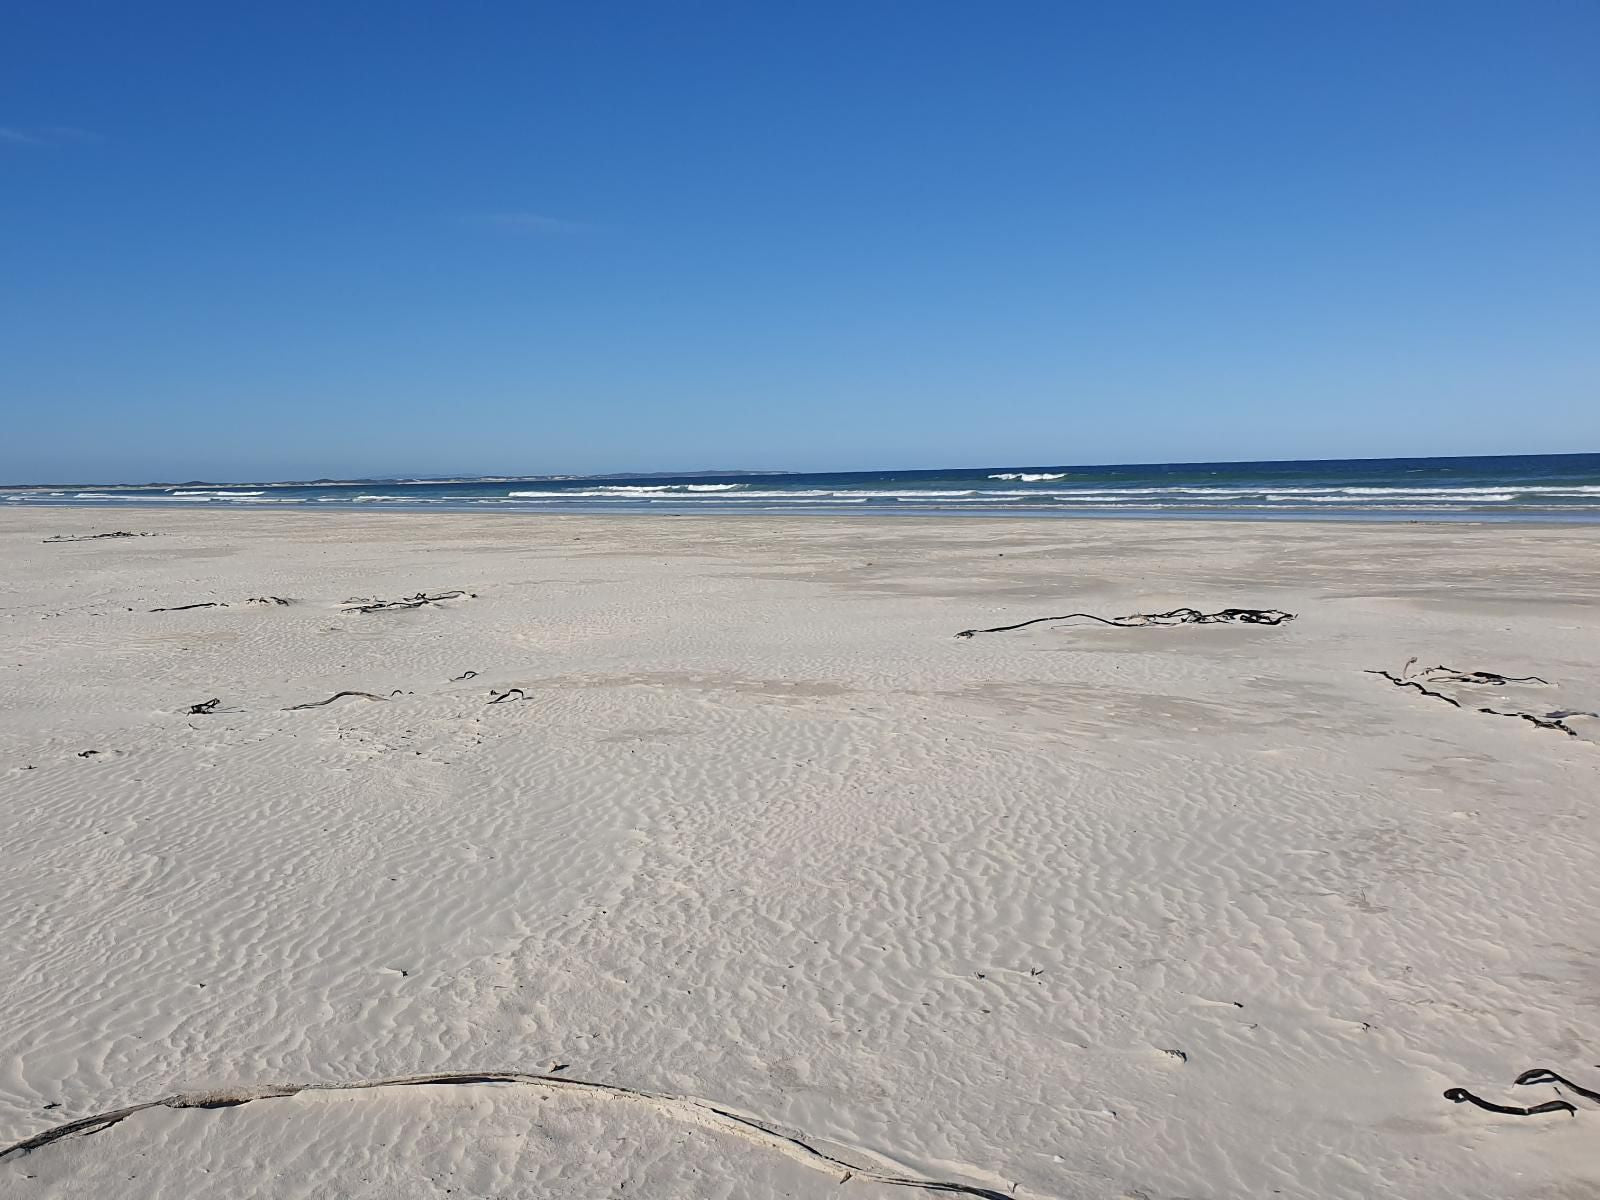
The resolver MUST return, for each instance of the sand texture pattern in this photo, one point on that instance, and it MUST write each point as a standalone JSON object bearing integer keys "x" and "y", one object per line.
{"x": 729, "y": 870}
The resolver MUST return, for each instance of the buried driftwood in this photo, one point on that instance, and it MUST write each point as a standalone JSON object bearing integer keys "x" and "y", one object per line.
{"x": 93, "y": 537}
{"x": 186, "y": 607}
{"x": 1555, "y": 720}
{"x": 336, "y": 696}
{"x": 501, "y": 697}
{"x": 365, "y": 604}
{"x": 691, "y": 1110}
{"x": 204, "y": 708}
{"x": 463, "y": 675}
{"x": 1178, "y": 616}
{"x": 268, "y": 600}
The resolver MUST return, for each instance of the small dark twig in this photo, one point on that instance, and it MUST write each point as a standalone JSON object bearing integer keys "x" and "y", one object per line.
{"x": 464, "y": 675}
{"x": 268, "y": 600}
{"x": 186, "y": 607}
{"x": 1178, "y": 616}
{"x": 93, "y": 537}
{"x": 1462, "y": 1096}
{"x": 495, "y": 698}
{"x": 332, "y": 698}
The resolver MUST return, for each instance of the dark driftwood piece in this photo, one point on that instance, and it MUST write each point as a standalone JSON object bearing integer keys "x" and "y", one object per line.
{"x": 364, "y": 605}
{"x": 1178, "y": 616}
{"x": 688, "y": 1108}
{"x": 186, "y": 607}
{"x": 1545, "y": 1075}
{"x": 1462, "y": 1096}
{"x": 1550, "y": 720}
{"x": 204, "y": 708}
{"x": 464, "y": 675}
{"x": 268, "y": 600}
{"x": 1412, "y": 683}
{"x": 496, "y": 698}
{"x": 93, "y": 537}
{"x": 1442, "y": 674}
{"x": 332, "y": 698}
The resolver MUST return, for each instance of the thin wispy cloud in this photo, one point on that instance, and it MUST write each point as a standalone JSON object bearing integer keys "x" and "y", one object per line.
{"x": 45, "y": 135}
{"x": 530, "y": 223}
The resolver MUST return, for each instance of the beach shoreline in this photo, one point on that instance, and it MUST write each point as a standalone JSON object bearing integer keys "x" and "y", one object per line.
{"x": 721, "y": 811}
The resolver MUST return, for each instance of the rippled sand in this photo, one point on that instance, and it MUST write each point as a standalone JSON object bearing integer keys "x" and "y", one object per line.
{"x": 812, "y": 887}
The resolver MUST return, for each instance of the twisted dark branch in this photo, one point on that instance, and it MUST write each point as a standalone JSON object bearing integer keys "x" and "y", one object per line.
{"x": 1554, "y": 720}
{"x": 689, "y": 1108}
{"x": 1412, "y": 683}
{"x": 186, "y": 607}
{"x": 1178, "y": 616}
{"x": 1551, "y": 720}
{"x": 501, "y": 697}
{"x": 1443, "y": 674}
{"x": 331, "y": 699}
{"x": 1545, "y": 1075}
{"x": 93, "y": 537}
{"x": 363, "y": 605}
{"x": 1462, "y": 1096}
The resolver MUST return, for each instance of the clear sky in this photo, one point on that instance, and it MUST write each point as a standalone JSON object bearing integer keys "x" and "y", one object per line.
{"x": 289, "y": 240}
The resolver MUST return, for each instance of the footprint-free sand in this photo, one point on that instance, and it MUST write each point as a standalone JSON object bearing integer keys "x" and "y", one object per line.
{"x": 767, "y": 884}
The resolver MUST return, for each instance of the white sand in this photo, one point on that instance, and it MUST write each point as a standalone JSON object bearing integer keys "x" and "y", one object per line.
{"x": 765, "y": 835}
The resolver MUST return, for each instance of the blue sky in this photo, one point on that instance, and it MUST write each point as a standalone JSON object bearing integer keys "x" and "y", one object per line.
{"x": 293, "y": 240}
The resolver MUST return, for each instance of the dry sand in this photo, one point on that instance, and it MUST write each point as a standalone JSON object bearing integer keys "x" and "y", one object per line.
{"x": 1079, "y": 912}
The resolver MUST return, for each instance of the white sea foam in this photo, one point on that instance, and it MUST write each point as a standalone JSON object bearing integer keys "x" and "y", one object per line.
{"x": 1027, "y": 477}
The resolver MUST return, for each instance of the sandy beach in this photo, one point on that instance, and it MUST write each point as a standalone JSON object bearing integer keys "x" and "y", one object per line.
{"x": 756, "y": 880}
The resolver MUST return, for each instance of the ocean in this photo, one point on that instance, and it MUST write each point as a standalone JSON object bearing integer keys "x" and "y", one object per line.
{"x": 1538, "y": 487}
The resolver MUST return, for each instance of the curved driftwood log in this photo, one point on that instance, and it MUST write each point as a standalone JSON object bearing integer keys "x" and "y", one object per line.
{"x": 331, "y": 699}
{"x": 1178, "y": 616}
{"x": 1462, "y": 1096}
{"x": 679, "y": 1107}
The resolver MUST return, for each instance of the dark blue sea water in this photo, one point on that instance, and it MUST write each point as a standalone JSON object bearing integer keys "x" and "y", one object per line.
{"x": 1540, "y": 487}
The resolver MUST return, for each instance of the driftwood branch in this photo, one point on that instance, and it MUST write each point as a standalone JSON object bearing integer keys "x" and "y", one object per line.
{"x": 689, "y": 1109}
{"x": 1398, "y": 681}
{"x": 463, "y": 675}
{"x": 93, "y": 537}
{"x": 1462, "y": 1096}
{"x": 365, "y": 604}
{"x": 186, "y": 607}
{"x": 1551, "y": 720}
{"x": 268, "y": 600}
{"x": 204, "y": 708}
{"x": 332, "y": 698}
{"x": 1178, "y": 616}
{"x": 1545, "y": 1075}
{"x": 1442, "y": 674}
{"x": 500, "y": 697}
